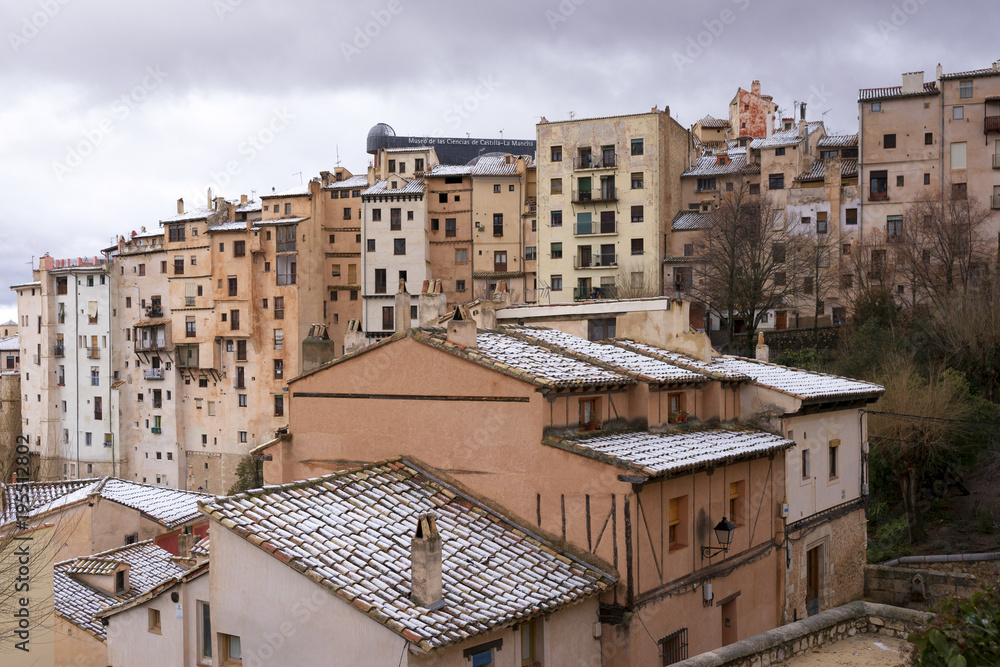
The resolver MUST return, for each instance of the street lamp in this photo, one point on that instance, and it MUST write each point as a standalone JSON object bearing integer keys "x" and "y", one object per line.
{"x": 724, "y": 533}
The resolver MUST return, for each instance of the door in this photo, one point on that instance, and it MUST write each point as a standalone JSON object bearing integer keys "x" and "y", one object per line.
{"x": 812, "y": 580}
{"x": 586, "y": 259}
{"x": 729, "y": 631}
{"x": 780, "y": 319}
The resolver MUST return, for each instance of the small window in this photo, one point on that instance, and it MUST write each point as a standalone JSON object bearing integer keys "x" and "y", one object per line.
{"x": 889, "y": 141}
{"x": 496, "y": 187}
{"x": 557, "y": 153}
{"x": 779, "y": 151}
{"x": 637, "y": 147}
{"x": 555, "y": 186}
{"x": 677, "y": 533}
{"x": 776, "y": 182}
{"x": 965, "y": 89}
{"x": 399, "y": 246}
{"x": 637, "y": 180}
{"x": 737, "y": 503}
{"x": 958, "y": 113}
{"x": 231, "y": 649}
{"x": 555, "y": 219}
{"x": 805, "y": 464}
{"x": 876, "y": 107}
{"x": 590, "y": 418}
{"x": 834, "y": 462}
{"x": 556, "y": 282}
{"x": 851, "y": 216}
{"x": 637, "y": 213}
{"x": 637, "y": 246}
{"x": 927, "y": 179}
{"x": 459, "y": 285}
{"x": 154, "y": 620}
{"x": 928, "y": 138}
{"x": 556, "y": 251}
{"x": 239, "y": 248}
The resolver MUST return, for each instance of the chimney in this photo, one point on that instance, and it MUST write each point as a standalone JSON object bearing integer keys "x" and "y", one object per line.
{"x": 913, "y": 82}
{"x": 432, "y": 303}
{"x": 184, "y": 543}
{"x": 180, "y": 206}
{"x": 940, "y": 71}
{"x": 317, "y": 348}
{"x": 755, "y": 88}
{"x": 402, "y": 310}
{"x": 802, "y": 119}
{"x": 243, "y": 199}
{"x": 763, "y": 352}
{"x": 462, "y": 331}
{"x": 325, "y": 177}
{"x": 354, "y": 338}
{"x": 209, "y": 204}
{"x": 425, "y": 564}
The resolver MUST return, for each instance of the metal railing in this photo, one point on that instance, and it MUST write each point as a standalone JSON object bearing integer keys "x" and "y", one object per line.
{"x": 58, "y": 351}
{"x": 595, "y": 228}
{"x": 595, "y": 162}
{"x": 156, "y": 429}
{"x": 878, "y": 196}
{"x": 153, "y": 374}
{"x": 150, "y": 345}
{"x": 594, "y": 196}
{"x": 93, "y": 353}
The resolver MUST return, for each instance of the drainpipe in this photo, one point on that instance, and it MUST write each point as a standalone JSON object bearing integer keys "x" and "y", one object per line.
{"x": 76, "y": 329}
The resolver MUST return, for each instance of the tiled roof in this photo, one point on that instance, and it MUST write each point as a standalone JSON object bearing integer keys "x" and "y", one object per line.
{"x": 799, "y": 383}
{"x": 709, "y": 166}
{"x": 849, "y": 168}
{"x": 711, "y": 369}
{"x": 449, "y": 170}
{"x": 231, "y": 226}
{"x": 620, "y": 359}
{"x": 93, "y": 565}
{"x": 894, "y": 91}
{"x": 381, "y": 187}
{"x": 169, "y": 507}
{"x": 203, "y": 547}
{"x": 280, "y": 221}
{"x": 79, "y": 603}
{"x": 838, "y": 141}
{"x": 153, "y": 592}
{"x": 12, "y": 344}
{"x": 9, "y": 323}
{"x": 708, "y": 121}
{"x": 199, "y": 213}
{"x": 972, "y": 73}
{"x": 297, "y": 191}
{"x": 671, "y": 452}
{"x": 495, "y": 165}
{"x": 785, "y": 137}
{"x": 818, "y": 170}
{"x": 531, "y": 362}
{"x": 352, "y": 183}
{"x": 250, "y": 207}
{"x": 350, "y": 533}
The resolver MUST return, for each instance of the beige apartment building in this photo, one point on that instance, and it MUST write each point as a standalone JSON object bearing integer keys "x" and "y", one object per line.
{"x": 928, "y": 140}
{"x": 449, "y": 208}
{"x": 607, "y": 190}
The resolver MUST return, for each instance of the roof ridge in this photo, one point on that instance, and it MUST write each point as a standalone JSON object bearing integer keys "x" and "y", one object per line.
{"x": 124, "y": 547}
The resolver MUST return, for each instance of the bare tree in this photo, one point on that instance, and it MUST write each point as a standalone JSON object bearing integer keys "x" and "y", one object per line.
{"x": 747, "y": 264}
{"x": 966, "y": 329}
{"x": 874, "y": 272}
{"x": 633, "y": 281}
{"x": 820, "y": 276}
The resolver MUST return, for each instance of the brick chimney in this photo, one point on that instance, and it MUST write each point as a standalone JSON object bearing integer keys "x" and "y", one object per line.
{"x": 755, "y": 88}
{"x": 462, "y": 331}
{"x": 425, "y": 564}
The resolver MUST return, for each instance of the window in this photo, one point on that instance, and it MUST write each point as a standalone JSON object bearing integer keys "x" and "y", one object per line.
{"x": 637, "y": 246}
{"x": 88, "y": 438}
{"x": 807, "y": 285}
{"x": 876, "y": 107}
{"x": 737, "y": 506}
{"x": 805, "y": 462}
{"x": 496, "y": 187}
{"x": 461, "y": 255}
{"x": 755, "y": 188}
{"x": 637, "y": 213}
{"x": 443, "y": 198}
{"x": 286, "y": 238}
{"x": 153, "y": 624}
{"x": 500, "y": 260}
{"x": 232, "y": 286}
{"x": 555, "y": 186}
{"x": 959, "y": 190}
{"x": 376, "y": 215}
{"x": 637, "y": 180}
{"x": 371, "y": 245}
{"x": 239, "y": 248}
{"x": 459, "y": 285}
{"x": 418, "y": 164}
{"x": 530, "y": 253}
{"x": 392, "y": 166}
{"x": 388, "y": 318}
{"x": 279, "y": 369}
{"x": 600, "y": 329}
{"x": 851, "y": 216}
{"x": 498, "y": 224}
{"x": 231, "y": 650}
{"x": 689, "y": 250}
{"x": 189, "y": 327}
{"x": 399, "y": 246}
{"x": 847, "y": 281}
{"x": 776, "y": 182}
{"x": 450, "y": 227}
{"x": 637, "y": 147}
{"x": 279, "y": 307}
{"x": 889, "y": 141}
{"x": 707, "y": 184}
{"x": 286, "y": 270}
{"x": 555, "y": 283}
{"x": 958, "y": 155}
{"x": 894, "y": 227}
{"x": 395, "y": 219}
{"x": 95, "y": 376}
{"x": 778, "y": 253}
{"x": 241, "y": 400}
{"x": 175, "y": 233}
{"x": 434, "y": 224}
{"x": 965, "y": 89}
{"x": 556, "y": 251}
{"x": 557, "y": 153}
{"x": 928, "y": 138}
{"x": 98, "y": 408}
{"x": 674, "y": 647}
{"x": 590, "y": 414}
{"x": 380, "y": 281}
{"x": 402, "y": 167}
{"x": 204, "y": 630}
{"x": 779, "y": 151}
{"x": 821, "y": 222}
{"x": 555, "y": 219}
{"x": 234, "y": 320}
{"x": 834, "y": 449}
{"x": 531, "y": 642}
{"x": 879, "y": 187}
{"x": 178, "y": 266}
{"x": 677, "y": 525}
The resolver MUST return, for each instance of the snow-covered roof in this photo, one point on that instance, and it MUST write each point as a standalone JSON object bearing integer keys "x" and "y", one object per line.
{"x": 169, "y": 507}
{"x": 709, "y": 165}
{"x": 688, "y": 220}
{"x": 198, "y": 213}
{"x": 411, "y": 149}
{"x": 785, "y": 137}
{"x": 404, "y": 186}
{"x": 718, "y": 123}
{"x": 838, "y": 141}
{"x": 352, "y": 183}
{"x": 796, "y": 382}
{"x": 670, "y": 452}
{"x": 621, "y": 359}
{"x": 78, "y": 602}
{"x": 278, "y": 221}
{"x": 12, "y": 344}
{"x": 495, "y": 165}
{"x": 350, "y": 532}
{"x": 231, "y": 226}
{"x": 297, "y": 191}
{"x": 817, "y": 172}
{"x": 449, "y": 170}
{"x": 9, "y": 323}
{"x": 202, "y": 547}
{"x": 250, "y": 207}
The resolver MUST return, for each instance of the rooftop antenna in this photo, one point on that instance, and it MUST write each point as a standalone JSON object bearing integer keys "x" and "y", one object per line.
{"x": 338, "y": 155}
{"x": 299, "y": 174}
{"x": 572, "y": 115}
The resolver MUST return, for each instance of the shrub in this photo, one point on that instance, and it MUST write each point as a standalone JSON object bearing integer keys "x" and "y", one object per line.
{"x": 964, "y": 633}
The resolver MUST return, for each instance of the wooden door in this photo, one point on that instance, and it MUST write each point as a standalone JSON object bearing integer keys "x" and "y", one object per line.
{"x": 812, "y": 581}
{"x": 729, "y": 631}
{"x": 780, "y": 319}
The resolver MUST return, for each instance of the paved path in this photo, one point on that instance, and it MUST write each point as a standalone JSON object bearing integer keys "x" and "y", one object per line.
{"x": 857, "y": 651}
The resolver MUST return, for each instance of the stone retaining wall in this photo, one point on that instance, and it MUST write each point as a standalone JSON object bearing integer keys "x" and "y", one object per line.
{"x": 788, "y": 641}
{"x": 915, "y": 588}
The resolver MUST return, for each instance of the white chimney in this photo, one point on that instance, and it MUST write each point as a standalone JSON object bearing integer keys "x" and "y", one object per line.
{"x": 425, "y": 564}
{"x": 763, "y": 352}
{"x": 180, "y": 206}
{"x": 913, "y": 82}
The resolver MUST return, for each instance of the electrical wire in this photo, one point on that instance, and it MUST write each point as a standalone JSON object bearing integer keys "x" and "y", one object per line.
{"x": 935, "y": 419}
{"x": 655, "y": 643}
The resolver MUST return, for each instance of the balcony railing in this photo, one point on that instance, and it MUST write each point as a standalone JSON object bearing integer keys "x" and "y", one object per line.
{"x": 593, "y": 293}
{"x": 595, "y": 228}
{"x": 996, "y": 202}
{"x": 153, "y": 374}
{"x": 595, "y": 162}
{"x": 58, "y": 351}
{"x": 150, "y": 345}
{"x": 93, "y": 353}
{"x": 156, "y": 429}
{"x": 878, "y": 196}
{"x": 594, "y": 196}
{"x": 154, "y": 311}
{"x": 595, "y": 262}
{"x": 991, "y": 124}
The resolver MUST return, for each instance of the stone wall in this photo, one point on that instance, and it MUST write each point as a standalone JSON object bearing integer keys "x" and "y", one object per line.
{"x": 915, "y": 588}
{"x": 780, "y": 340}
{"x": 801, "y": 637}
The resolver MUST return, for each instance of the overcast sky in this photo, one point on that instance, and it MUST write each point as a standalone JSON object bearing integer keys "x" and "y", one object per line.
{"x": 113, "y": 110}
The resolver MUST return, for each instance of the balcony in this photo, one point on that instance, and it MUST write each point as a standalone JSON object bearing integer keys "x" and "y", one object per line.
{"x": 586, "y": 162}
{"x": 153, "y": 374}
{"x": 156, "y": 429}
{"x": 595, "y": 196}
{"x": 991, "y": 124}
{"x": 596, "y": 228}
{"x": 93, "y": 353}
{"x": 995, "y": 205}
{"x": 58, "y": 351}
{"x": 153, "y": 345}
{"x": 593, "y": 293}
{"x": 154, "y": 311}
{"x": 878, "y": 196}
{"x": 595, "y": 262}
